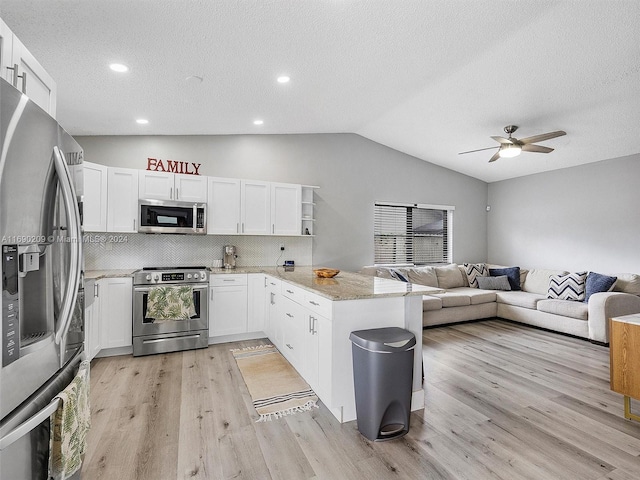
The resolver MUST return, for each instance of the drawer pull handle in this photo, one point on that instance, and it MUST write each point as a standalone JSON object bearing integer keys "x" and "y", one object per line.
{"x": 289, "y": 291}
{"x": 289, "y": 315}
{"x": 289, "y": 346}
{"x": 314, "y": 303}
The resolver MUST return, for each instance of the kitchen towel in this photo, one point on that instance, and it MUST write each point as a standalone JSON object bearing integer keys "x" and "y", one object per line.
{"x": 69, "y": 426}
{"x": 170, "y": 303}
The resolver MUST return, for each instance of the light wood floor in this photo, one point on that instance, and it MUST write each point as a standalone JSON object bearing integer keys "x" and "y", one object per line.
{"x": 503, "y": 401}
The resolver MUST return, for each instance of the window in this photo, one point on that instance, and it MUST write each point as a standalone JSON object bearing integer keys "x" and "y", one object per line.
{"x": 412, "y": 233}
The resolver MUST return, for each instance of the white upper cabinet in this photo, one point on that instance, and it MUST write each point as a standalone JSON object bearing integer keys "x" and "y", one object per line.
{"x": 23, "y": 71}
{"x": 94, "y": 203}
{"x": 223, "y": 206}
{"x": 286, "y": 209}
{"x": 256, "y": 207}
{"x": 171, "y": 186}
{"x": 122, "y": 200}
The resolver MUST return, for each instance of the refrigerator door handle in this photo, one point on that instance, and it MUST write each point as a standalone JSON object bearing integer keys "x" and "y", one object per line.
{"x": 75, "y": 240}
{"x": 28, "y": 425}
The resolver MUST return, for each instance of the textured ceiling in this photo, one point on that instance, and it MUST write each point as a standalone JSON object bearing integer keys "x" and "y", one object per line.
{"x": 429, "y": 78}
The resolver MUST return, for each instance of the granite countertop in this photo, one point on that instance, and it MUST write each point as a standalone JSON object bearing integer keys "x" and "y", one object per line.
{"x": 344, "y": 286}
{"x": 99, "y": 274}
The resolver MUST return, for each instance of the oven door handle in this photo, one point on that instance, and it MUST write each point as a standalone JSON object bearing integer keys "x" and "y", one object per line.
{"x": 148, "y": 289}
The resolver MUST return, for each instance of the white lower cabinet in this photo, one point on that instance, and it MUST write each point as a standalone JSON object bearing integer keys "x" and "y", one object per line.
{"x": 293, "y": 319}
{"x": 256, "y": 311}
{"x": 273, "y": 327}
{"x": 227, "y": 304}
{"x": 116, "y": 312}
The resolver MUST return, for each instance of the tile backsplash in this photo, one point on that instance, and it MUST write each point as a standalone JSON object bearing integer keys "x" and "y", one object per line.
{"x": 104, "y": 251}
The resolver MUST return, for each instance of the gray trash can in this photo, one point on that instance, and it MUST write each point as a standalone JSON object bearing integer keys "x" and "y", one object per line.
{"x": 383, "y": 377}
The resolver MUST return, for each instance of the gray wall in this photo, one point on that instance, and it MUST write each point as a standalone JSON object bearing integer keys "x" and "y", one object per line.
{"x": 580, "y": 218}
{"x": 353, "y": 173}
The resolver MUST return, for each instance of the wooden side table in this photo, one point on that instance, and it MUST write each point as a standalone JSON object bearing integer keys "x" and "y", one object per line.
{"x": 624, "y": 351}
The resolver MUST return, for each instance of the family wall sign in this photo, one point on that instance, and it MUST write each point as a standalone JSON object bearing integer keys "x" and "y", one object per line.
{"x": 173, "y": 166}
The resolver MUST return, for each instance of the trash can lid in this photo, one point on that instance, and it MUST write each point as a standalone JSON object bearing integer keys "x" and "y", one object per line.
{"x": 384, "y": 340}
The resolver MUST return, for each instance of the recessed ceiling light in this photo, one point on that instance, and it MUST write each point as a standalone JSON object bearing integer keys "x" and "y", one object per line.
{"x": 142, "y": 121}
{"x": 118, "y": 67}
{"x": 283, "y": 79}
{"x": 258, "y": 122}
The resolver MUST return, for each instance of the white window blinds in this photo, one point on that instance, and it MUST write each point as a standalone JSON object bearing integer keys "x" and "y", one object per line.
{"x": 412, "y": 233}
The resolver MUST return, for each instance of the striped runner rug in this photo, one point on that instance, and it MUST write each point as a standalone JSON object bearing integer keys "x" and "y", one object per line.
{"x": 275, "y": 387}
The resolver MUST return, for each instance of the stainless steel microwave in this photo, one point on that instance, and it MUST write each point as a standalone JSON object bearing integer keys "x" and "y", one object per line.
{"x": 165, "y": 216}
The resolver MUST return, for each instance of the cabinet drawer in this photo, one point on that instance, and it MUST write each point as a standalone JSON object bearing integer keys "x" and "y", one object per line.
{"x": 227, "y": 279}
{"x": 317, "y": 304}
{"x": 294, "y": 293}
{"x": 273, "y": 284}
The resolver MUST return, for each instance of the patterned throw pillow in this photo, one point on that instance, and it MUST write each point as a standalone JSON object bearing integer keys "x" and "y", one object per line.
{"x": 475, "y": 270}
{"x": 568, "y": 287}
{"x": 596, "y": 283}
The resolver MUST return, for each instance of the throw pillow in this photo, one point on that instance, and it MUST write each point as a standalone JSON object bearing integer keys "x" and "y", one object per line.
{"x": 567, "y": 287}
{"x": 475, "y": 270}
{"x": 494, "y": 283}
{"x": 596, "y": 283}
{"x": 512, "y": 273}
{"x": 449, "y": 276}
{"x": 397, "y": 275}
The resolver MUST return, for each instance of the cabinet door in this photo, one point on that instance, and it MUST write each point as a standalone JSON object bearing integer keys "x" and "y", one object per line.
{"x": 293, "y": 322}
{"x": 190, "y": 188}
{"x": 94, "y": 203}
{"x": 223, "y": 206}
{"x": 273, "y": 327}
{"x": 92, "y": 333}
{"x": 6, "y": 47}
{"x": 37, "y": 83}
{"x": 116, "y": 311}
{"x": 227, "y": 310}
{"x": 155, "y": 185}
{"x": 122, "y": 200}
{"x": 256, "y": 207}
{"x": 256, "y": 304}
{"x": 311, "y": 359}
{"x": 286, "y": 209}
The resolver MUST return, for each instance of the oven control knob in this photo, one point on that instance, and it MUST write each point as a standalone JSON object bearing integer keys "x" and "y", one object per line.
{"x": 148, "y": 277}
{"x": 195, "y": 276}
{"x": 156, "y": 277}
{"x": 189, "y": 276}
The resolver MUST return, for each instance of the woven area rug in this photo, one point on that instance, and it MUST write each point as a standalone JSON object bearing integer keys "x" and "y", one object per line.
{"x": 275, "y": 387}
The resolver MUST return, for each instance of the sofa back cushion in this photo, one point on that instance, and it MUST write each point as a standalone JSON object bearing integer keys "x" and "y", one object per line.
{"x": 627, "y": 283}
{"x": 537, "y": 280}
{"x": 450, "y": 276}
{"x": 423, "y": 276}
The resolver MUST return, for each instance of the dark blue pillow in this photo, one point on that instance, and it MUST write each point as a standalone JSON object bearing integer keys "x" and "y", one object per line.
{"x": 512, "y": 273}
{"x": 596, "y": 283}
{"x": 397, "y": 275}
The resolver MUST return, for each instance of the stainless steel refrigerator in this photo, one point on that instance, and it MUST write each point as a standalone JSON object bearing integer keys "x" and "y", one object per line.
{"x": 42, "y": 301}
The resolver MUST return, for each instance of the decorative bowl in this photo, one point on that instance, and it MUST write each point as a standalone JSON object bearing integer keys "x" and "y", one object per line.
{"x": 326, "y": 272}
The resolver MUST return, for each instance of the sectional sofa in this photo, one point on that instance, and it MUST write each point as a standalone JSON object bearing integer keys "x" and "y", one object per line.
{"x": 551, "y": 299}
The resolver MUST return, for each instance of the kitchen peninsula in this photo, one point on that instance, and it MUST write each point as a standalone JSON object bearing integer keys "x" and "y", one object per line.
{"x": 309, "y": 319}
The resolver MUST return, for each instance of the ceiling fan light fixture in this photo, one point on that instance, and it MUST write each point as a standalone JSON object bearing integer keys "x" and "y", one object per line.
{"x": 509, "y": 150}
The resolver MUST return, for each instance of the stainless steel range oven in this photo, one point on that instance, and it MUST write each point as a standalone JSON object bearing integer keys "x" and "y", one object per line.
{"x": 170, "y": 309}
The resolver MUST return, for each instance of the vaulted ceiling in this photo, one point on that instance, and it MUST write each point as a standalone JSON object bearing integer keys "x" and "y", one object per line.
{"x": 428, "y": 78}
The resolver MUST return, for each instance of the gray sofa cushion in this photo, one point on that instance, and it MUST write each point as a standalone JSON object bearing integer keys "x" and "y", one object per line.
{"x": 627, "y": 283}
{"x": 450, "y": 276}
{"x": 476, "y": 295}
{"x": 430, "y": 303}
{"x": 453, "y": 299}
{"x": 423, "y": 276}
{"x": 520, "y": 299}
{"x": 565, "y": 308}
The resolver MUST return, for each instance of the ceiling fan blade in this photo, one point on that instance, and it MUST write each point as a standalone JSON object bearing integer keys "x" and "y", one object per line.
{"x": 495, "y": 157}
{"x": 527, "y": 147}
{"x": 542, "y": 137}
{"x": 479, "y": 150}
{"x": 502, "y": 140}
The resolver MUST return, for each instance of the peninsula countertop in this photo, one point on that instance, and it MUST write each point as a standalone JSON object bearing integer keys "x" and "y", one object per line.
{"x": 344, "y": 286}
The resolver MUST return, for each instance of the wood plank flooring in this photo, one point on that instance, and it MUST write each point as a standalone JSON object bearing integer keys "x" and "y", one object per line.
{"x": 503, "y": 401}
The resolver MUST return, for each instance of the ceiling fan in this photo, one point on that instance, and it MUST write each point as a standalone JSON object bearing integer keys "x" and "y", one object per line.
{"x": 512, "y": 147}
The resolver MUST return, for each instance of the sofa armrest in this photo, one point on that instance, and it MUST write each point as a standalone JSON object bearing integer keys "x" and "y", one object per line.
{"x": 603, "y": 306}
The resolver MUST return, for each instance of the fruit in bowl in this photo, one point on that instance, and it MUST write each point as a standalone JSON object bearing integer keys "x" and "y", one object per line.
{"x": 326, "y": 272}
